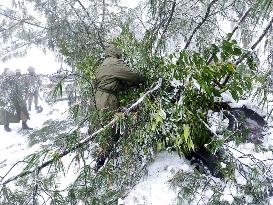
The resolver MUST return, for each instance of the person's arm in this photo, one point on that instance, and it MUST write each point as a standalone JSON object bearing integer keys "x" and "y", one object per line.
{"x": 123, "y": 73}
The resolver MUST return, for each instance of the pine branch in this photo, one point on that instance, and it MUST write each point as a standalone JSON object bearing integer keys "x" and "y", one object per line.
{"x": 200, "y": 24}
{"x": 86, "y": 140}
{"x": 252, "y": 48}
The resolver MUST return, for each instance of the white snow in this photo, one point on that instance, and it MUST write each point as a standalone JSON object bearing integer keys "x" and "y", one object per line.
{"x": 216, "y": 121}
{"x": 250, "y": 104}
{"x": 14, "y": 145}
{"x": 227, "y": 196}
{"x": 154, "y": 189}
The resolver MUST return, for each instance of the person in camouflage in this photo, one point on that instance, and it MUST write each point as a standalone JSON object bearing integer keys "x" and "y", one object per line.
{"x": 5, "y": 71}
{"x": 13, "y": 107}
{"x": 4, "y": 104}
{"x": 112, "y": 77}
{"x": 70, "y": 91}
{"x": 21, "y": 83}
{"x": 33, "y": 84}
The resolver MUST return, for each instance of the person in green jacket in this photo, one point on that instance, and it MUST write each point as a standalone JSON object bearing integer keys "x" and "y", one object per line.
{"x": 112, "y": 77}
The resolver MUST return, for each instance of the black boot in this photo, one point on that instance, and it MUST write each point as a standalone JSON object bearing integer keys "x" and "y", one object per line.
{"x": 6, "y": 128}
{"x": 25, "y": 127}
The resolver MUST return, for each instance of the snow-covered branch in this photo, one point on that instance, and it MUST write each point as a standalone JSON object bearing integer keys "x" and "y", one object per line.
{"x": 134, "y": 105}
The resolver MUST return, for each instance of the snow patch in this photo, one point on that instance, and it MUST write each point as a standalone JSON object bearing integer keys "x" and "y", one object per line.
{"x": 154, "y": 189}
{"x": 16, "y": 141}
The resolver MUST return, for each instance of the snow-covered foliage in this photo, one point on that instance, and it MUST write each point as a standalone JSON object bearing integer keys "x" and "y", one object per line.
{"x": 196, "y": 76}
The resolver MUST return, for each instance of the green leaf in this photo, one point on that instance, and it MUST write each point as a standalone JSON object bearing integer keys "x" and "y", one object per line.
{"x": 158, "y": 118}
{"x": 233, "y": 42}
{"x": 234, "y": 94}
{"x": 214, "y": 48}
{"x": 230, "y": 68}
{"x": 215, "y": 59}
{"x": 227, "y": 47}
{"x": 237, "y": 51}
{"x": 204, "y": 86}
{"x": 198, "y": 61}
{"x": 186, "y": 132}
{"x": 159, "y": 147}
{"x": 162, "y": 114}
{"x": 184, "y": 58}
{"x": 191, "y": 144}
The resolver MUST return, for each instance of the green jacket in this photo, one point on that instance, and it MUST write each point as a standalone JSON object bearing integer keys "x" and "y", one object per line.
{"x": 113, "y": 76}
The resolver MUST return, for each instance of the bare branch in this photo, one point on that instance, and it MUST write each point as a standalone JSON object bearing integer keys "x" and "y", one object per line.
{"x": 234, "y": 30}
{"x": 170, "y": 18}
{"x": 252, "y": 48}
{"x": 200, "y": 24}
{"x": 12, "y": 168}
{"x": 11, "y": 27}
{"x": 168, "y": 22}
{"x": 22, "y": 21}
{"x": 237, "y": 26}
{"x": 97, "y": 29}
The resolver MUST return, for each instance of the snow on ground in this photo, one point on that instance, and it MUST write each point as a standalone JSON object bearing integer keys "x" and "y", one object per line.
{"x": 154, "y": 188}
{"x": 14, "y": 145}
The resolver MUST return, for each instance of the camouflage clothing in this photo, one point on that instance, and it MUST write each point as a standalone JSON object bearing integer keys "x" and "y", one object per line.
{"x": 13, "y": 107}
{"x": 6, "y": 109}
{"x": 33, "y": 83}
{"x": 21, "y": 81}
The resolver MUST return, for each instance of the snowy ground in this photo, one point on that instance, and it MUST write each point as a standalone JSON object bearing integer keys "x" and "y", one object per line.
{"x": 14, "y": 145}
{"x": 153, "y": 188}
